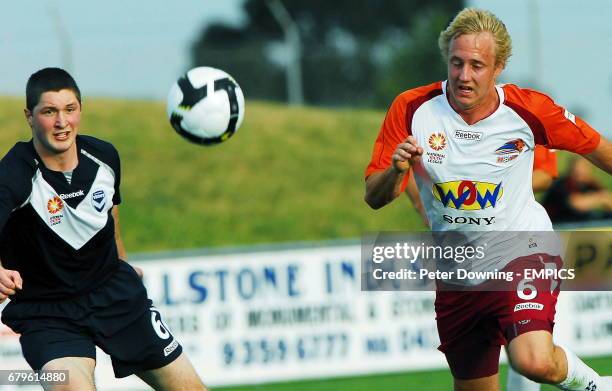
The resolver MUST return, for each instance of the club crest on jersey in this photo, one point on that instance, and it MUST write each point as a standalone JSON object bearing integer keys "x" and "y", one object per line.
{"x": 437, "y": 141}
{"x": 510, "y": 150}
{"x": 514, "y": 146}
{"x": 98, "y": 200}
{"x": 467, "y": 195}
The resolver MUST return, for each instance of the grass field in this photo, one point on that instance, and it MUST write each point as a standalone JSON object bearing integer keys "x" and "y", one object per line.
{"x": 287, "y": 175}
{"x": 426, "y": 381}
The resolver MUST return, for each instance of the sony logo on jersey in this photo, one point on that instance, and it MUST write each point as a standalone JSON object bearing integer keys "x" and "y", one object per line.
{"x": 467, "y": 135}
{"x": 469, "y": 220}
{"x": 72, "y": 195}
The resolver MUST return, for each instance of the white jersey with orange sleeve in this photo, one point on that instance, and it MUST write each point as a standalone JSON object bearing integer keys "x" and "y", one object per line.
{"x": 478, "y": 177}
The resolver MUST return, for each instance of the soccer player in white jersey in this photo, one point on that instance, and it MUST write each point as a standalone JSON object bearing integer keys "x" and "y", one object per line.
{"x": 544, "y": 172}
{"x": 470, "y": 143}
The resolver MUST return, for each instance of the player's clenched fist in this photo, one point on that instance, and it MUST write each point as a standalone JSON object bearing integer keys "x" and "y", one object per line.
{"x": 10, "y": 281}
{"x": 406, "y": 154}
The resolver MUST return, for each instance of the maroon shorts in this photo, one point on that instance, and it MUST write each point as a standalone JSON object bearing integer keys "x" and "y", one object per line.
{"x": 474, "y": 324}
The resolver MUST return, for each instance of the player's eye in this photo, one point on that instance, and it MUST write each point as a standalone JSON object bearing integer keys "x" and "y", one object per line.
{"x": 477, "y": 65}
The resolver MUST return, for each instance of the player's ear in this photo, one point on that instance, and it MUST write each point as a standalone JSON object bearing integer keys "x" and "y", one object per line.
{"x": 28, "y": 116}
{"x": 498, "y": 69}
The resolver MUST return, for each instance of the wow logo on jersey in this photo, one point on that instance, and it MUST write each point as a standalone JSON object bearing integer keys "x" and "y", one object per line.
{"x": 468, "y": 195}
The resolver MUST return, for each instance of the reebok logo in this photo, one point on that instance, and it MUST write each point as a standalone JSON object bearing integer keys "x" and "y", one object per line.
{"x": 528, "y": 306}
{"x": 72, "y": 195}
{"x": 467, "y": 135}
{"x": 171, "y": 347}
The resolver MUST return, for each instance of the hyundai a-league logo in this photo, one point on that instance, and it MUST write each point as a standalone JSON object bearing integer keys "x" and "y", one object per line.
{"x": 437, "y": 141}
{"x": 54, "y": 205}
{"x": 98, "y": 200}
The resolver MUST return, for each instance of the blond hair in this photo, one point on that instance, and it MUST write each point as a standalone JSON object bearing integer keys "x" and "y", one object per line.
{"x": 473, "y": 20}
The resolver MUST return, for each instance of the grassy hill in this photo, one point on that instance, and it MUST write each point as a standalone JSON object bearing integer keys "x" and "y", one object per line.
{"x": 289, "y": 174}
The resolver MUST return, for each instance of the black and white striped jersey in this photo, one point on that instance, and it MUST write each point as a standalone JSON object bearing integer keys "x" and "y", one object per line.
{"x": 59, "y": 235}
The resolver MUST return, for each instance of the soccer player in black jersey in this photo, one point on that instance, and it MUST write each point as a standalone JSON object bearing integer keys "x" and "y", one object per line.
{"x": 62, "y": 261}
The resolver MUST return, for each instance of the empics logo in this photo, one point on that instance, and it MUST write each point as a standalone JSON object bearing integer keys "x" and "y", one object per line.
{"x": 437, "y": 141}
{"x": 467, "y": 195}
{"x": 54, "y": 205}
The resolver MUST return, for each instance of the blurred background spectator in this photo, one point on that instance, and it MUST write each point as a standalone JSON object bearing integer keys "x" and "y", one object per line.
{"x": 578, "y": 195}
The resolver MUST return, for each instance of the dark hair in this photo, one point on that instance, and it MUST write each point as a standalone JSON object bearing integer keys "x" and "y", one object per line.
{"x": 49, "y": 79}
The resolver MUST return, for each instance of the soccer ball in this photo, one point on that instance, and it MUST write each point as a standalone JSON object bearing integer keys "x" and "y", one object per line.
{"x": 205, "y": 106}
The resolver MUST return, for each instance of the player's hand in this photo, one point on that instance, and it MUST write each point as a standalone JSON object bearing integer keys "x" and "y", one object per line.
{"x": 406, "y": 154}
{"x": 10, "y": 282}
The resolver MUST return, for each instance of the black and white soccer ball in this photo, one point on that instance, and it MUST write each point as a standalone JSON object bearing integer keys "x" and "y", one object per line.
{"x": 205, "y": 106}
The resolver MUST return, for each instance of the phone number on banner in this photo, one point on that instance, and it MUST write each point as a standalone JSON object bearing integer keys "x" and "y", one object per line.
{"x": 276, "y": 350}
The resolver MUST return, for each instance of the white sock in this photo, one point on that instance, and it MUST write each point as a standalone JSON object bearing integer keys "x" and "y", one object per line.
{"x": 580, "y": 377}
{"x": 518, "y": 382}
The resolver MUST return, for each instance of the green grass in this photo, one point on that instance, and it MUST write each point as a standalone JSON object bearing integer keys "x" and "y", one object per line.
{"x": 289, "y": 174}
{"x": 426, "y": 381}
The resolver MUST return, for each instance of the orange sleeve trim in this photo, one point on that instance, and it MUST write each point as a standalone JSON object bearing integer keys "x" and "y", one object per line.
{"x": 397, "y": 125}
{"x": 552, "y": 125}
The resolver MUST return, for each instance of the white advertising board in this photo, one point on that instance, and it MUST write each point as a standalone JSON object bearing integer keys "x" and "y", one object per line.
{"x": 279, "y": 315}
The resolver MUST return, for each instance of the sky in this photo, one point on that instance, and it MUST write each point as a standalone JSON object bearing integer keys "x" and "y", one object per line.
{"x": 137, "y": 48}
{"x": 124, "y": 48}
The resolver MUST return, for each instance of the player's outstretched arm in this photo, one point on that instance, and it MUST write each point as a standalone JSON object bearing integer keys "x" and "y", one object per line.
{"x": 383, "y": 187}
{"x": 119, "y": 240}
{"x": 602, "y": 155}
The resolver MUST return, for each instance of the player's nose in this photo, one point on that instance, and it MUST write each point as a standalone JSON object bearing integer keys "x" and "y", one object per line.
{"x": 61, "y": 120}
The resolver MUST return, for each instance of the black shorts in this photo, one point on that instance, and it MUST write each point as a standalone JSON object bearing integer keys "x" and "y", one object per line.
{"x": 117, "y": 316}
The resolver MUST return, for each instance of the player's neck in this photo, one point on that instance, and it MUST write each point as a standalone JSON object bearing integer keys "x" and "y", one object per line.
{"x": 64, "y": 161}
{"x": 480, "y": 111}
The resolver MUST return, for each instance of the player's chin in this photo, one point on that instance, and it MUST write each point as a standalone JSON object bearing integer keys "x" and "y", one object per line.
{"x": 464, "y": 102}
{"x": 61, "y": 146}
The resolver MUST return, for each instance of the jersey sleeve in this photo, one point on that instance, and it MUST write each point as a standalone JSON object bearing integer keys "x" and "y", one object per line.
{"x": 15, "y": 185}
{"x": 545, "y": 160}
{"x": 396, "y": 127}
{"x": 393, "y": 131}
{"x": 553, "y": 126}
